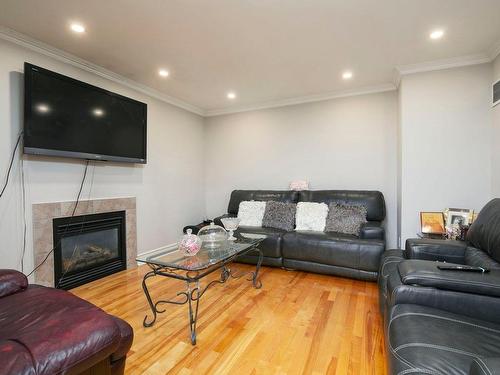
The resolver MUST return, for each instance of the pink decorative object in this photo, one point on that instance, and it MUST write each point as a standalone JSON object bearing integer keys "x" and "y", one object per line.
{"x": 299, "y": 185}
{"x": 190, "y": 244}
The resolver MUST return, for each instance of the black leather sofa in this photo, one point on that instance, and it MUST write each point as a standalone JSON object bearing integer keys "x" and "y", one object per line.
{"x": 320, "y": 252}
{"x": 444, "y": 322}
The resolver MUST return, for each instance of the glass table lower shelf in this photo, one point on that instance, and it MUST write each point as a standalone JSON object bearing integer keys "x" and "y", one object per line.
{"x": 192, "y": 269}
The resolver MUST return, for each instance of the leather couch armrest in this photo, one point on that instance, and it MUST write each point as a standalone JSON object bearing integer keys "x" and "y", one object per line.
{"x": 12, "y": 281}
{"x": 126, "y": 338}
{"x": 15, "y": 359}
{"x": 426, "y": 274}
{"x": 485, "y": 366}
{"x": 440, "y": 250}
{"x": 372, "y": 230}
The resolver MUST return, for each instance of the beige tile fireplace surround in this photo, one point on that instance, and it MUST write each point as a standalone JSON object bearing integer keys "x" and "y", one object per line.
{"x": 44, "y": 213}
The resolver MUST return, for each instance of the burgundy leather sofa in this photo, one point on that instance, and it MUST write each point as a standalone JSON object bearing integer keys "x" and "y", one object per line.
{"x": 49, "y": 331}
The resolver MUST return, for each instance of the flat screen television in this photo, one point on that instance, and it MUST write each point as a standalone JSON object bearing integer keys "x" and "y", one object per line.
{"x": 69, "y": 118}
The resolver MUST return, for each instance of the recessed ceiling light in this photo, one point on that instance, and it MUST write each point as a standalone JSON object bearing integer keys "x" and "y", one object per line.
{"x": 77, "y": 28}
{"x": 98, "y": 112}
{"x": 231, "y": 95}
{"x": 347, "y": 75}
{"x": 163, "y": 73}
{"x": 436, "y": 34}
{"x": 42, "y": 108}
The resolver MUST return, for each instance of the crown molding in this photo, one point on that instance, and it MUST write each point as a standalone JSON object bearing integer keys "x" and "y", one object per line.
{"x": 302, "y": 100}
{"x": 495, "y": 51}
{"x": 455, "y": 62}
{"x": 57, "y": 54}
{"x": 396, "y": 77}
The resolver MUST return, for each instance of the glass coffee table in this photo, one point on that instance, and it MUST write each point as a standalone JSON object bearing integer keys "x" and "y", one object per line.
{"x": 191, "y": 269}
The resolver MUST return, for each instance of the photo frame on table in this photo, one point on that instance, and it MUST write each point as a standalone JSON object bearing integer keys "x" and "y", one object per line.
{"x": 458, "y": 216}
{"x": 432, "y": 223}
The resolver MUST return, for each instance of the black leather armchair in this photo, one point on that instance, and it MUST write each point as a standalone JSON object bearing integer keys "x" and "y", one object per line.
{"x": 444, "y": 322}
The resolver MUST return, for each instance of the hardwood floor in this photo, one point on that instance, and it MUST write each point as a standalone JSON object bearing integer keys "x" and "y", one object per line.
{"x": 298, "y": 323}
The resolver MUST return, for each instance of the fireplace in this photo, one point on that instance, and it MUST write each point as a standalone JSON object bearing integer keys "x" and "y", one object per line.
{"x": 88, "y": 247}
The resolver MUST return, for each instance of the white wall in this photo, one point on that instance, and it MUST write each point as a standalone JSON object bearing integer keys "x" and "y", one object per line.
{"x": 445, "y": 139}
{"x": 496, "y": 136}
{"x": 347, "y": 143}
{"x": 169, "y": 189}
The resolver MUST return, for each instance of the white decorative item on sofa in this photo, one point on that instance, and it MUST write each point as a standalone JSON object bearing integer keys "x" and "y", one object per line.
{"x": 299, "y": 185}
{"x": 311, "y": 216}
{"x": 251, "y": 213}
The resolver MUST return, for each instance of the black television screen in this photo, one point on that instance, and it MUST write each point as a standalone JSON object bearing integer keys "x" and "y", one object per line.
{"x": 70, "y": 118}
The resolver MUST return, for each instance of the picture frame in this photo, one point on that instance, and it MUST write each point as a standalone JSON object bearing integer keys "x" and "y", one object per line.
{"x": 432, "y": 223}
{"x": 458, "y": 216}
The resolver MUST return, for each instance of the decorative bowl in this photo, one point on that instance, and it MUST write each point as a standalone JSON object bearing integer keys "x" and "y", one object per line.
{"x": 189, "y": 244}
{"x": 213, "y": 236}
{"x": 231, "y": 224}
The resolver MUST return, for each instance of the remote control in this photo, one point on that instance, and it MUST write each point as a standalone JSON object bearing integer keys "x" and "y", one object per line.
{"x": 462, "y": 268}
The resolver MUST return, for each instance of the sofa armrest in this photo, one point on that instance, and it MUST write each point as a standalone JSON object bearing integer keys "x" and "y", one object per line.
{"x": 485, "y": 366}
{"x": 12, "y": 281}
{"x": 15, "y": 359}
{"x": 372, "y": 230}
{"x": 427, "y": 274}
{"x": 440, "y": 250}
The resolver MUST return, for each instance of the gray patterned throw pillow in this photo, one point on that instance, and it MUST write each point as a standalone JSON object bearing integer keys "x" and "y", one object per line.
{"x": 345, "y": 219}
{"x": 279, "y": 215}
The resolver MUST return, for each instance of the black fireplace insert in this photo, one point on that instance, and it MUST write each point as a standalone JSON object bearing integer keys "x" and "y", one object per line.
{"x": 88, "y": 247}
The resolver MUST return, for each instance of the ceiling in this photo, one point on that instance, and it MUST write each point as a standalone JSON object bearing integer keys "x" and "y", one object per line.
{"x": 267, "y": 51}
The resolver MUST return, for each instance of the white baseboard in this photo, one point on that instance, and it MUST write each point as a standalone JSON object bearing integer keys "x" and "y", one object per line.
{"x": 171, "y": 246}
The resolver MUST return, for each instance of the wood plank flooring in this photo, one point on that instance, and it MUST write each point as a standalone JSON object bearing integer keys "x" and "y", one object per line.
{"x": 298, "y": 323}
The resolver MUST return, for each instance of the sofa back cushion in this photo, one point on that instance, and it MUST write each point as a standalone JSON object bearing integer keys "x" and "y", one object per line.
{"x": 238, "y": 196}
{"x": 484, "y": 233}
{"x": 372, "y": 200}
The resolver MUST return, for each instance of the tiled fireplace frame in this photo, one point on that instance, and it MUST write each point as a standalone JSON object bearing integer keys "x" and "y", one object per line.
{"x": 44, "y": 213}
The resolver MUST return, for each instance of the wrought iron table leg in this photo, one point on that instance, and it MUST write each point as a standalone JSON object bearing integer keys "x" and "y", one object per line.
{"x": 193, "y": 298}
{"x": 150, "y": 301}
{"x": 255, "y": 279}
{"x": 225, "y": 273}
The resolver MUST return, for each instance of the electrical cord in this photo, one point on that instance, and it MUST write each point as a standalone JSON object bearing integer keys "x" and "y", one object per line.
{"x": 72, "y": 214}
{"x": 80, "y": 231}
{"x": 23, "y": 198}
{"x": 10, "y": 165}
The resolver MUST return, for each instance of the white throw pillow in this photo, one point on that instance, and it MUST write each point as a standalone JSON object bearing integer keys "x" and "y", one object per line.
{"x": 251, "y": 213}
{"x": 311, "y": 216}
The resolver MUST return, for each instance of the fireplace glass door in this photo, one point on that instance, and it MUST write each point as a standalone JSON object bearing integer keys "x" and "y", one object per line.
{"x": 88, "y": 247}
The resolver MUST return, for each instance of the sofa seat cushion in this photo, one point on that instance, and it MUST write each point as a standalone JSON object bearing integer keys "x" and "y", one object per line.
{"x": 423, "y": 340}
{"x": 271, "y": 246}
{"x": 334, "y": 249}
{"x": 59, "y": 330}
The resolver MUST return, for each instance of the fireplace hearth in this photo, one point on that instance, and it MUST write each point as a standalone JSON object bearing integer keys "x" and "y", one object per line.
{"x": 88, "y": 247}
